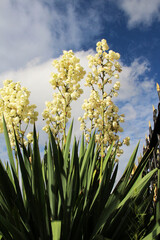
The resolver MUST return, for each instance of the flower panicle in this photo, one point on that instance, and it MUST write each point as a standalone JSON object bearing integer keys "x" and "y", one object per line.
{"x": 66, "y": 82}
{"x": 14, "y": 104}
{"x": 99, "y": 108}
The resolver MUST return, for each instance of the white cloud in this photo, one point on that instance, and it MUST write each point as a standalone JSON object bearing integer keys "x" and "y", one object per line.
{"x": 140, "y": 11}
{"x": 130, "y": 110}
{"x": 40, "y": 29}
{"x": 25, "y": 33}
{"x": 129, "y": 78}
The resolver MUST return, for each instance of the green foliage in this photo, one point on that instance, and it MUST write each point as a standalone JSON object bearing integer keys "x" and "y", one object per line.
{"x": 62, "y": 197}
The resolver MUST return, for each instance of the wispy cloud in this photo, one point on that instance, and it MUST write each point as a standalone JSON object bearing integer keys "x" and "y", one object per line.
{"x": 140, "y": 12}
{"x": 25, "y": 33}
{"x": 37, "y": 29}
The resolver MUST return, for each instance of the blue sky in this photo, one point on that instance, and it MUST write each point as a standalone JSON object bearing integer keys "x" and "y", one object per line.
{"x": 34, "y": 32}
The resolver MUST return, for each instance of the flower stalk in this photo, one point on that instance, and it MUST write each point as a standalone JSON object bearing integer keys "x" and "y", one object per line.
{"x": 99, "y": 108}
{"x": 66, "y": 81}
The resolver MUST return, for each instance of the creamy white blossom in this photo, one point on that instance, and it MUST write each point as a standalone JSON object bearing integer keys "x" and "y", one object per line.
{"x": 14, "y": 105}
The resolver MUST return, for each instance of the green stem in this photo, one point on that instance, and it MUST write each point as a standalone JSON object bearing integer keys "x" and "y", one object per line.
{"x": 15, "y": 153}
{"x": 101, "y": 165}
{"x": 102, "y": 144}
{"x": 91, "y": 127}
{"x": 64, "y": 126}
{"x": 64, "y": 129}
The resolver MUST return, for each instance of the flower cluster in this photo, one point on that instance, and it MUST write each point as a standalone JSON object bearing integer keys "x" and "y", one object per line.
{"x": 99, "y": 108}
{"x": 14, "y": 105}
{"x": 66, "y": 82}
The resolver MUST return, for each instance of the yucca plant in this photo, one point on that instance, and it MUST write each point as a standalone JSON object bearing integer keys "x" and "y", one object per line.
{"x": 62, "y": 197}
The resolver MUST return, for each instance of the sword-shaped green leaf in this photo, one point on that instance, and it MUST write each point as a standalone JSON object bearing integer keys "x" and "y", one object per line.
{"x": 58, "y": 168}
{"x": 9, "y": 149}
{"x": 38, "y": 187}
{"x": 85, "y": 162}
{"x": 56, "y": 230}
{"x": 52, "y": 188}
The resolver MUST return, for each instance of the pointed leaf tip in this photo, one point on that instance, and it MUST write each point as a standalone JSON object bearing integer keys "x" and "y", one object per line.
{"x": 153, "y": 108}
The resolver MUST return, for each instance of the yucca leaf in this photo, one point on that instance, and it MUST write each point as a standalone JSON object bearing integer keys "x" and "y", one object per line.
{"x": 27, "y": 161}
{"x": 56, "y": 230}
{"x": 100, "y": 237}
{"x": 31, "y": 202}
{"x": 91, "y": 170}
{"x": 119, "y": 192}
{"x": 9, "y": 173}
{"x": 140, "y": 186}
{"x": 107, "y": 170}
{"x": 76, "y": 180}
{"x": 88, "y": 166}
{"x": 38, "y": 182}
{"x": 107, "y": 157}
{"x": 125, "y": 214}
{"x": 81, "y": 152}
{"x": 5, "y": 232}
{"x": 85, "y": 162}
{"x": 112, "y": 205}
{"x": 39, "y": 188}
{"x": 20, "y": 202}
{"x": 15, "y": 174}
{"x": 10, "y": 230}
{"x": 45, "y": 164}
{"x": 71, "y": 166}
{"x": 119, "y": 226}
{"x": 139, "y": 171}
{"x": 122, "y": 183}
{"x": 67, "y": 147}
{"x": 7, "y": 189}
{"x": 131, "y": 161}
{"x": 58, "y": 169}
{"x": 52, "y": 189}
{"x": 132, "y": 197}
{"x": 9, "y": 149}
{"x": 78, "y": 219}
{"x": 25, "y": 176}
{"x": 107, "y": 188}
{"x": 154, "y": 234}
{"x": 104, "y": 191}
{"x": 73, "y": 183}
{"x": 89, "y": 176}
{"x": 4, "y": 207}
